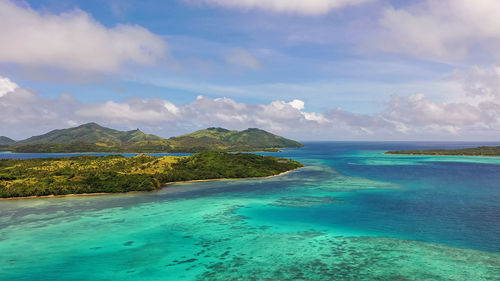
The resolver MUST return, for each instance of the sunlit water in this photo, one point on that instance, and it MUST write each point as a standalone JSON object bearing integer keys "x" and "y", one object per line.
{"x": 352, "y": 213}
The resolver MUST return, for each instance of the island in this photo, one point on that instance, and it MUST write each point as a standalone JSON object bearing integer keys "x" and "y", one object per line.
{"x": 476, "y": 151}
{"x": 116, "y": 173}
{"x": 92, "y": 137}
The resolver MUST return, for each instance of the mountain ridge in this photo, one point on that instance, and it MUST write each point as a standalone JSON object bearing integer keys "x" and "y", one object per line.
{"x": 90, "y": 133}
{"x": 92, "y": 137}
{"x": 250, "y": 139}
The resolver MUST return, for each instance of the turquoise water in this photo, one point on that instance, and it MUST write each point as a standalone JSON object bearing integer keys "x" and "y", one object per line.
{"x": 352, "y": 214}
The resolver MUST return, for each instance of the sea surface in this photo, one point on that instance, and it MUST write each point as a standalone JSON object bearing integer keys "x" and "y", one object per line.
{"x": 353, "y": 213}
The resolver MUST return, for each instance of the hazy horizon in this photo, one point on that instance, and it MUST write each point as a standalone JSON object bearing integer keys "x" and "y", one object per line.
{"x": 471, "y": 142}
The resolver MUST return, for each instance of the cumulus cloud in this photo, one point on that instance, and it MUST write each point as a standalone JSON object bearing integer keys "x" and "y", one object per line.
{"x": 243, "y": 58}
{"x": 72, "y": 40}
{"x": 7, "y": 86}
{"x": 417, "y": 113}
{"x": 312, "y": 7}
{"x": 278, "y": 116}
{"x": 298, "y": 104}
{"x": 134, "y": 110}
{"x": 447, "y": 30}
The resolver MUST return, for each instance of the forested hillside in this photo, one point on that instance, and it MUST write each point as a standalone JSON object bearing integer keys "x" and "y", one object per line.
{"x": 96, "y": 174}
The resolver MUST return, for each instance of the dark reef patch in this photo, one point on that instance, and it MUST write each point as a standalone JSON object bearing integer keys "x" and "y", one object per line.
{"x": 305, "y": 201}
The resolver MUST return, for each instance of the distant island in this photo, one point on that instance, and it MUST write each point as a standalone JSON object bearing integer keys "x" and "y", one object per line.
{"x": 477, "y": 151}
{"x": 92, "y": 137}
{"x": 116, "y": 173}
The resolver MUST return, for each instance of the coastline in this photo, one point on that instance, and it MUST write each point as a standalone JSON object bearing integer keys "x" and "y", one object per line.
{"x": 132, "y": 192}
{"x": 231, "y": 179}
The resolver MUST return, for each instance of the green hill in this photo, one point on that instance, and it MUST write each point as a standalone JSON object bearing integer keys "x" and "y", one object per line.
{"x": 90, "y": 133}
{"x": 6, "y": 141}
{"x": 92, "y": 137}
{"x": 222, "y": 139}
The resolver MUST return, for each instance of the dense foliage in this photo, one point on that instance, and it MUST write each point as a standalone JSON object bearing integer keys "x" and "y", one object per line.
{"x": 477, "y": 151}
{"x": 95, "y": 174}
{"x": 95, "y": 138}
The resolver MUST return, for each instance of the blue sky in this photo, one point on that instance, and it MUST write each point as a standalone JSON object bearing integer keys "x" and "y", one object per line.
{"x": 356, "y": 69}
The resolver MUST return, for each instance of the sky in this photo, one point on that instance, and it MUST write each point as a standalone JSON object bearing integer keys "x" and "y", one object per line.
{"x": 371, "y": 70}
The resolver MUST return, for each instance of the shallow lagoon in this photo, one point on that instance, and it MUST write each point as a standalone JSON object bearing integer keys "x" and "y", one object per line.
{"x": 352, "y": 214}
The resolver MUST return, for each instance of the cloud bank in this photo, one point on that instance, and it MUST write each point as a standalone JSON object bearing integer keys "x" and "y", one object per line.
{"x": 24, "y": 113}
{"x": 72, "y": 40}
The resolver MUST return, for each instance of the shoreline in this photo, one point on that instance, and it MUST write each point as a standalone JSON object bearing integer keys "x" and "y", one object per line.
{"x": 132, "y": 192}
{"x": 231, "y": 179}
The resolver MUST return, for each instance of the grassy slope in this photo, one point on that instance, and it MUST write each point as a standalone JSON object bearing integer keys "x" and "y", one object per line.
{"x": 477, "y": 151}
{"x": 93, "y": 174}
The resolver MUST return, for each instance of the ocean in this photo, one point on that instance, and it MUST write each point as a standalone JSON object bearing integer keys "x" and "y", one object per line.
{"x": 353, "y": 213}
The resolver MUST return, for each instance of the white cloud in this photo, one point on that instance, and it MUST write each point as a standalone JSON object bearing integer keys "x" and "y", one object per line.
{"x": 447, "y": 30}
{"x": 416, "y": 112}
{"x": 7, "y": 86}
{"x": 135, "y": 110}
{"x": 242, "y": 57}
{"x": 298, "y": 104}
{"x": 311, "y": 7}
{"x": 72, "y": 40}
{"x": 313, "y": 116}
{"x": 278, "y": 116}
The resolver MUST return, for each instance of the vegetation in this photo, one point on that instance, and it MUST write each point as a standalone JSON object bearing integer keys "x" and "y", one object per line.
{"x": 92, "y": 137}
{"x": 72, "y": 147}
{"x": 225, "y": 140}
{"x": 116, "y": 173}
{"x": 477, "y": 151}
{"x": 90, "y": 133}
